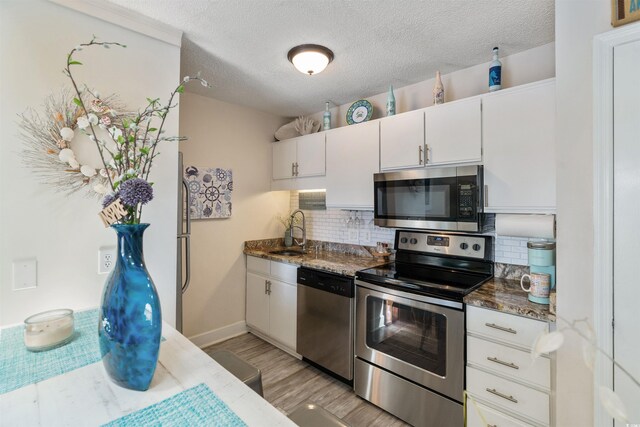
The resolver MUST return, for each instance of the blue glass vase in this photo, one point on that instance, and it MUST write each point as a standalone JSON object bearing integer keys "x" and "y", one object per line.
{"x": 130, "y": 326}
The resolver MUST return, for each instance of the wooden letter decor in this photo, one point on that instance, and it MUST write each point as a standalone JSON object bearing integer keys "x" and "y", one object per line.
{"x": 112, "y": 213}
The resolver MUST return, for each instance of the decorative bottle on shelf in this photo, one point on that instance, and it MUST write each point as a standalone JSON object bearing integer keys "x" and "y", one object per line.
{"x": 438, "y": 90}
{"x": 495, "y": 72}
{"x": 326, "y": 117}
{"x": 391, "y": 102}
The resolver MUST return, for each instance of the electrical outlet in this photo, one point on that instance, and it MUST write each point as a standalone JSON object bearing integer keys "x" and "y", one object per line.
{"x": 353, "y": 235}
{"x": 365, "y": 236}
{"x": 106, "y": 259}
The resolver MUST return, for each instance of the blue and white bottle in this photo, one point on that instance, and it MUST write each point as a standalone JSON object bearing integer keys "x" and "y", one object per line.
{"x": 495, "y": 72}
{"x": 326, "y": 117}
{"x": 391, "y": 102}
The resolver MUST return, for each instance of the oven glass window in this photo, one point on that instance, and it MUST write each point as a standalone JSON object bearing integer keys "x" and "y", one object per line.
{"x": 417, "y": 199}
{"x": 407, "y": 333}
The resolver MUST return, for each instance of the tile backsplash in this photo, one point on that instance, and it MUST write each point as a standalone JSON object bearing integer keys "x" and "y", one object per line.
{"x": 333, "y": 225}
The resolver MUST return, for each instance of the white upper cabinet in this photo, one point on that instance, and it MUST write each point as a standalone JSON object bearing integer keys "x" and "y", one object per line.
{"x": 284, "y": 158}
{"x": 454, "y": 133}
{"x": 299, "y": 157}
{"x": 402, "y": 141}
{"x": 311, "y": 155}
{"x": 352, "y": 159}
{"x": 519, "y": 149}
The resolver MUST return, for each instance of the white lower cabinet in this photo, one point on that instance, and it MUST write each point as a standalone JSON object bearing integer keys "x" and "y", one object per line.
{"x": 271, "y": 300}
{"x": 506, "y": 386}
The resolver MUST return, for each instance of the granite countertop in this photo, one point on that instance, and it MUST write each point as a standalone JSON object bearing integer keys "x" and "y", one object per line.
{"x": 337, "y": 258}
{"x": 505, "y": 295}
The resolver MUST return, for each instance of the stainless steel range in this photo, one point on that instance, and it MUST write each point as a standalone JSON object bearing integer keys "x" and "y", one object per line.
{"x": 410, "y": 325}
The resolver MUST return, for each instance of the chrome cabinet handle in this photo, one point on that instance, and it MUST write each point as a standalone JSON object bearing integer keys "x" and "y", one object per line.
{"x": 420, "y": 154}
{"x": 501, "y": 328}
{"x": 267, "y": 287}
{"x": 502, "y": 362}
{"x": 486, "y": 196}
{"x": 293, "y": 169}
{"x": 426, "y": 153}
{"x": 504, "y": 396}
{"x": 296, "y": 168}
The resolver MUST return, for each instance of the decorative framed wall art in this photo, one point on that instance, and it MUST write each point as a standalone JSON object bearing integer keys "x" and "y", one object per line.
{"x": 209, "y": 192}
{"x": 624, "y": 12}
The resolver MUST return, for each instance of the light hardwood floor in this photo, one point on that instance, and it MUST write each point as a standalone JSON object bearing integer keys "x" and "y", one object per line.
{"x": 288, "y": 382}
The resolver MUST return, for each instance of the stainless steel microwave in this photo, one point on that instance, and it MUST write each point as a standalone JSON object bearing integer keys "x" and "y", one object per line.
{"x": 448, "y": 198}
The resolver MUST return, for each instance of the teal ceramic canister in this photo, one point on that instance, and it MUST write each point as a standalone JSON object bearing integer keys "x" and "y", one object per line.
{"x": 542, "y": 258}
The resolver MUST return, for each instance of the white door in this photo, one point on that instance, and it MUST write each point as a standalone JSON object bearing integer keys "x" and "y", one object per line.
{"x": 284, "y": 158}
{"x": 454, "y": 133}
{"x": 311, "y": 155}
{"x": 257, "y": 302}
{"x": 402, "y": 141}
{"x": 353, "y": 157}
{"x": 283, "y": 312}
{"x": 626, "y": 237}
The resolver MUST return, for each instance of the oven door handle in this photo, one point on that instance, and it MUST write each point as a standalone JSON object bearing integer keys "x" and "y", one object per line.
{"x": 432, "y": 301}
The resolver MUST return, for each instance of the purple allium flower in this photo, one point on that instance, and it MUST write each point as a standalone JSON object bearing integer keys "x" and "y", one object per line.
{"x": 134, "y": 191}
{"x": 108, "y": 199}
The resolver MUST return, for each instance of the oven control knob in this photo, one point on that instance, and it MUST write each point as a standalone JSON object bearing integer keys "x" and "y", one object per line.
{"x": 477, "y": 247}
{"x": 464, "y": 246}
{"x": 413, "y": 241}
{"x": 403, "y": 240}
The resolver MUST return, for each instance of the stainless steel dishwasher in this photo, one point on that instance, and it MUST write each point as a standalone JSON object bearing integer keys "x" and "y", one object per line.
{"x": 325, "y": 321}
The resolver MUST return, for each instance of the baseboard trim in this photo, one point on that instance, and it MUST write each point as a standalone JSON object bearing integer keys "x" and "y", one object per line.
{"x": 273, "y": 342}
{"x": 215, "y": 336}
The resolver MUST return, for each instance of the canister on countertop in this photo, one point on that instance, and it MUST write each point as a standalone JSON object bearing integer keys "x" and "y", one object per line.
{"x": 542, "y": 258}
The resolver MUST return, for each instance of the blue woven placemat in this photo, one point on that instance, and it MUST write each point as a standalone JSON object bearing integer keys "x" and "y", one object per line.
{"x": 20, "y": 367}
{"x": 197, "y": 406}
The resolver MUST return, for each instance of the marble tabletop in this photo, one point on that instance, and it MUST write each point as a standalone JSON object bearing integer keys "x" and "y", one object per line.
{"x": 506, "y": 295}
{"x": 86, "y": 396}
{"x": 337, "y": 258}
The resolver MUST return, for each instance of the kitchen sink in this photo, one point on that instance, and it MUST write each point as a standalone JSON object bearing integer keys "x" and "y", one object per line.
{"x": 288, "y": 252}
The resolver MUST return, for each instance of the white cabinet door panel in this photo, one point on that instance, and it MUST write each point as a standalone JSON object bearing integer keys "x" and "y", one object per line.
{"x": 402, "y": 141}
{"x": 257, "y": 302}
{"x": 284, "y": 157}
{"x": 311, "y": 155}
{"x": 519, "y": 149}
{"x": 283, "y": 312}
{"x": 454, "y": 133}
{"x": 352, "y": 159}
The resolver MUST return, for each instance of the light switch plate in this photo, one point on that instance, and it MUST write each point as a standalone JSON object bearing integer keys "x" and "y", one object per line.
{"x": 353, "y": 235}
{"x": 25, "y": 274}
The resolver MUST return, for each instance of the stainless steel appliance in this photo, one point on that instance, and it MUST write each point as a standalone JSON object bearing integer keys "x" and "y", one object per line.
{"x": 183, "y": 268}
{"x": 410, "y": 325}
{"x": 432, "y": 198}
{"x": 325, "y": 321}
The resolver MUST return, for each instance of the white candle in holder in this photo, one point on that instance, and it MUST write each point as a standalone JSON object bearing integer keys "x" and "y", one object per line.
{"x": 47, "y": 330}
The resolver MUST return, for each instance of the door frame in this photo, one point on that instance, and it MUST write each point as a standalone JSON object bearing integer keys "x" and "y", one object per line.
{"x": 603, "y": 46}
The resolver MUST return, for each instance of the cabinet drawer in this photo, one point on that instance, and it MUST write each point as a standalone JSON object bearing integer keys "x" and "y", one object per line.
{"x": 492, "y": 417}
{"x": 505, "y": 327}
{"x": 259, "y": 265}
{"x": 288, "y": 273}
{"x": 509, "y": 361}
{"x": 507, "y": 394}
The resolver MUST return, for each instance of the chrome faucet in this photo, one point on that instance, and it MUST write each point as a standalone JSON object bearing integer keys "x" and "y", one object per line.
{"x": 303, "y": 229}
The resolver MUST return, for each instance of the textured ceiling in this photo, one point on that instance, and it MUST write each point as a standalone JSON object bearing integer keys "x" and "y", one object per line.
{"x": 241, "y": 46}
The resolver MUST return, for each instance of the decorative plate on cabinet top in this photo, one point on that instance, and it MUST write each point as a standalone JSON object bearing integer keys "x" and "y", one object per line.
{"x": 360, "y": 111}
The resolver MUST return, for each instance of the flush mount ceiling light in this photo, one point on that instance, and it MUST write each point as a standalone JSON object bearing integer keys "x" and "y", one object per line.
{"x": 310, "y": 58}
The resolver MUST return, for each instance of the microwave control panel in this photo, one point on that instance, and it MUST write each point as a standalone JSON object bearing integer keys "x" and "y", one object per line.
{"x": 451, "y": 244}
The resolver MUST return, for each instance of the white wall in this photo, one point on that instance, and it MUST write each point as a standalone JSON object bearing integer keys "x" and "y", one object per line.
{"x": 576, "y": 24}
{"x": 518, "y": 69}
{"x": 64, "y": 233}
{"x": 228, "y": 136}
